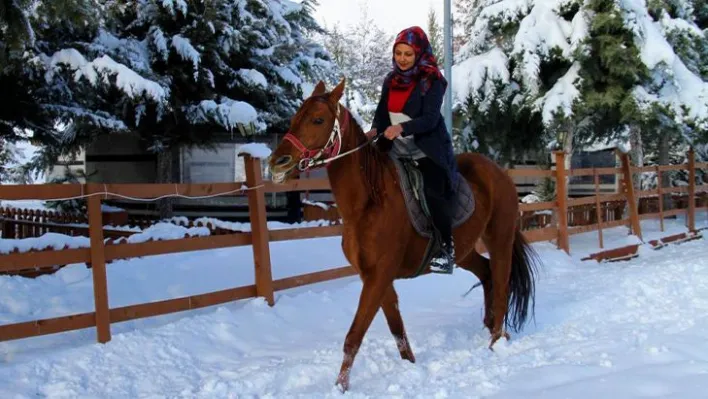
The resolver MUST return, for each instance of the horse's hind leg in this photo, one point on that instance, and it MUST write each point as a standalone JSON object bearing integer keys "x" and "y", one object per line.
{"x": 395, "y": 323}
{"x": 500, "y": 245}
{"x": 479, "y": 266}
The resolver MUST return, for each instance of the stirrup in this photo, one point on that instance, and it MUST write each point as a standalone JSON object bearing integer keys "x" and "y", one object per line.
{"x": 441, "y": 265}
{"x": 443, "y": 262}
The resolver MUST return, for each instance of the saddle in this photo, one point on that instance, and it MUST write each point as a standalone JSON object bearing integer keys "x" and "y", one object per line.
{"x": 411, "y": 182}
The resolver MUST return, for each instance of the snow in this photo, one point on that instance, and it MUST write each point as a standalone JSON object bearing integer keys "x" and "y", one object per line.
{"x": 316, "y": 203}
{"x": 562, "y": 96}
{"x": 188, "y": 53}
{"x": 288, "y": 75}
{"x": 539, "y": 32}
{"x": 48, "y": 240}
{"x": 253, "y": 77}
{"x": 678, "y": 86}
{"x": 280, "y": 9}
{"x": 110, "y": 208}
{"x": 286, "y": 7}
{"x": 127, "y": 80}
{"x": 246, "y": 227}
{"x": 167, "y": 231}
{"x": 175, "y": 5}
{"x": 479, "y": 73}
{"x": 256, "y": 150}
{"x": 156, "y": 232}
{"x": 530, "y": 199}
{"x": 621, "y": 143}
{"x": 632, "y": 329}
{"x": 160, "y": 41}
{"x": 228, "y": 113}
{"x": 531, "y": 32}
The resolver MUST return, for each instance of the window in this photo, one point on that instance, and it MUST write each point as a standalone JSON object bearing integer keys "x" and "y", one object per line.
{"x": 218, "y": 165}
{"x": 597, "y": 159}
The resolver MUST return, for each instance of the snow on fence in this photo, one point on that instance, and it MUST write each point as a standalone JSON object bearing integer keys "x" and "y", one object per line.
{"x": 101, "y": 251}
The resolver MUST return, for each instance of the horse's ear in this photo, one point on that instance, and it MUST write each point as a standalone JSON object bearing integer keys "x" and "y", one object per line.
{"x": 319, "y": 89}
{"x": 337, "y": 92}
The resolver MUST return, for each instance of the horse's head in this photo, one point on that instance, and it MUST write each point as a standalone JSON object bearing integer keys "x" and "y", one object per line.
{"x": 314, "y": 134}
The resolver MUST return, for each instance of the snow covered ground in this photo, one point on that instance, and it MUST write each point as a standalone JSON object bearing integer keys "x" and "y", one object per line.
{"x": 631, "y": 329}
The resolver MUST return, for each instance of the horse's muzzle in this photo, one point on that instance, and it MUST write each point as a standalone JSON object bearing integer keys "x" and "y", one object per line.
{"x": 283, "y": 160}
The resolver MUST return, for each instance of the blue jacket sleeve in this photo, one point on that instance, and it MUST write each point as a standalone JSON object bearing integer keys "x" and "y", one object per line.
{"x": 430, "y": 115}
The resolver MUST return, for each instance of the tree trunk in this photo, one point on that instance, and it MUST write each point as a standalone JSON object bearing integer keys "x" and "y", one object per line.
{"x": 636, "y": 159}
{"x": 164, "y": 175}
{"x": 569, "y": 128}
{"x": 636, "y": 154}
{"x": 566, "y": 145}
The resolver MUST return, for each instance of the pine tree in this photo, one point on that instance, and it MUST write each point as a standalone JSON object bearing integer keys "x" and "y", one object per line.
{"x": 180, "y": 74}
{"x": 675, "y": 101}
{"x": 9, "y": 172}
{"x": 16, "y": 32}
{"x": 611, "y": 69}
{"x": 466, "y": 13}
{"x": 700, "y": 17}
{"x": 435, "y": 36}
{"x": 26, "y": 107}
{"x": 198, "y": 60}
{"x": 595, "y": 70}
{"x": 522, "y": 80}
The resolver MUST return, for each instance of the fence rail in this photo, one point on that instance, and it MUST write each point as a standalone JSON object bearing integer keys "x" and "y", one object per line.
{"x": 558, "y": 225}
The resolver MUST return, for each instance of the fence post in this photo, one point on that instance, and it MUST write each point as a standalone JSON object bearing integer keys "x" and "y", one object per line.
{"x": 562, "y": 199}
{"x": 5, "y": 227}
{"x": 660, "y": 194}
{"x": 629, "y": 193}
{"x": 598, "y": 210}
{"x": 691, "y": 219}
{"x": 98, "y": 265}
{"x": 259, "y": 228}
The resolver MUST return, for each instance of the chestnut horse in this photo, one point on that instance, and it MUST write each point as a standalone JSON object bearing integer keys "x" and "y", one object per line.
{"x": 378, "y": 238}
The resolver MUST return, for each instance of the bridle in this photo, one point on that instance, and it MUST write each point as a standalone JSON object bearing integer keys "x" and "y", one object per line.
{"x": 315, "y": 158}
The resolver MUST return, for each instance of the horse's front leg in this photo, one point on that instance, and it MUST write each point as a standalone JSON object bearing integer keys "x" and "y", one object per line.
{"x": 375, "y": 286}
{"x": 395, "y": 324}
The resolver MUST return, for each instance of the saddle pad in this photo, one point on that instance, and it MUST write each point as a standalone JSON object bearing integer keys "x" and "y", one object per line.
{"x": 464, "y": 202}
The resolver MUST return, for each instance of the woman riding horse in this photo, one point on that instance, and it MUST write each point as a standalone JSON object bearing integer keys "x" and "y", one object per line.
{"x": 408, "y": 115}
{"x": 378, "y": 238}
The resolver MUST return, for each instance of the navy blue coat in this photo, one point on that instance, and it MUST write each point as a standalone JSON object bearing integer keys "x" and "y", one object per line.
{"x": 427, "y": 125}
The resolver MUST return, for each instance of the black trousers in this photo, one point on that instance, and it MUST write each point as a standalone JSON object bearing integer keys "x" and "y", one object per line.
{"x": 439, "y": 197}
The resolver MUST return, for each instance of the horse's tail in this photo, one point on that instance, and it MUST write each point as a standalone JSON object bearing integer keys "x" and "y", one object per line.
{"x": 521, "y": 282}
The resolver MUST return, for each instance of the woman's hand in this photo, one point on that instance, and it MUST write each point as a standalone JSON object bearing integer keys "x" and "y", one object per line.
{"x": 393, "y": 131}
{"x": 370, "y": 134}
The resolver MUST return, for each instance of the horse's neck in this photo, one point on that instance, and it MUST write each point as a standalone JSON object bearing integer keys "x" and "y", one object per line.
{"x": 347, "y": 176}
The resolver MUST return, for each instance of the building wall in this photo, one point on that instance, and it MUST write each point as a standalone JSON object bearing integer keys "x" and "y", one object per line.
{"x": 118, "y": 158}
{"x": 74, "y": 165}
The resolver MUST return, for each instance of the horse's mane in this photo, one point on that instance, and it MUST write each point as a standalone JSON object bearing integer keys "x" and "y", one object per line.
{"x": 374, "y": 163}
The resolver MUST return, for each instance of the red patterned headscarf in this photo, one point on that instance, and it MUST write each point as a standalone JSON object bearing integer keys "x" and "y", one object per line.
{"x": 425, "y": 67}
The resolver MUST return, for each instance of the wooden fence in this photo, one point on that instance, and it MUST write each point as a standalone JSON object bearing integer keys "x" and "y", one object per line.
{"x": 100, "y": 252}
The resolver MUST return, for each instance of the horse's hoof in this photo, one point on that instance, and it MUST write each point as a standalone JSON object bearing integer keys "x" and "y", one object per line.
{"x": 495, "y": 338}
{"x": 342, "y": 383}
{"x": 408, "y": 356}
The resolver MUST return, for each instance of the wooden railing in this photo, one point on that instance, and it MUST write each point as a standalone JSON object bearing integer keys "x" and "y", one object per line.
{"x": 100, "y": 252}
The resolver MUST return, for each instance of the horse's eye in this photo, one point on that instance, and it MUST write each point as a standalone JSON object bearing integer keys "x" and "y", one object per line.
{"x": 318, "y": 121}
